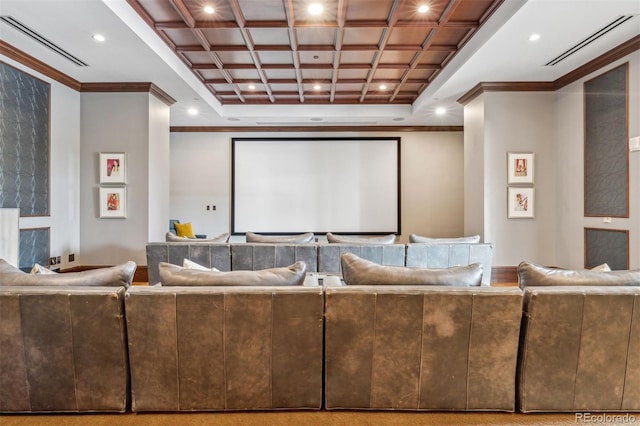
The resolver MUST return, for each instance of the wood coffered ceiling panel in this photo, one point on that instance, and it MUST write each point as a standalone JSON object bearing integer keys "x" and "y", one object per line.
{"x": 274, "y": 51}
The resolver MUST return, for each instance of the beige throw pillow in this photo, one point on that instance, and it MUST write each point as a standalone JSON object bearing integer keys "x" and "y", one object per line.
{"x": 173, "y": 275}
{"x": 357, "y": 271}
{"x": 348, "y": 239}
{"x": 531, "y": 275}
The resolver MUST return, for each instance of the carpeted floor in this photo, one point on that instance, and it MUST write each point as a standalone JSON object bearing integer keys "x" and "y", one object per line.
{"x": 321, "y": 418}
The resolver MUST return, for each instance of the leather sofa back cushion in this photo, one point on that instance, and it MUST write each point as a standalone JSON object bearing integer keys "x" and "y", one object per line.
{"x": 170, "y": 237}
{"x": 357, "y": 271}
{"x": 173, "y": 275}
{"x": 474, "y": 239}
{"x": 343, "y": 239}
{"x": 531, "y": 275}
{"x": 307, "y": 237}
{"x": 114, "y": 276}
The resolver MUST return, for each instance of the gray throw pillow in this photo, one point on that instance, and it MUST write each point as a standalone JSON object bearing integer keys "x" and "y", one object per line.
{"x": 174, "y": 275}
{"x": 473, "y": 239}
{"x": 305, "y": 238}
{"x": 358, "y": 271}
{"x": 532, "y": 275}
{"x": 170, "y": 237}
{"x": 114, "y": 276}
{"x": 345, "y": 239}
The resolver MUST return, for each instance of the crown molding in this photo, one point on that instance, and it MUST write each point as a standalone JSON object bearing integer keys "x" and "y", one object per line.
{"x": 29, "y": 61}
{"x": 315, "y": 129}
{"x": 601, "y": 61}
{"x": 128, "y": 87}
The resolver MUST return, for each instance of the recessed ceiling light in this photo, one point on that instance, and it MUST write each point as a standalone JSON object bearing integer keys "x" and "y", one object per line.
{"x": 441, "y": 111}
{"x": 423, "y": 8}
{"x": 252, "y": 87}
{"x": 534, "y": 37}
{"x": 317, "y": 87}
{"x": 315, "y": 9}
{"x": 383, "y": 87}
{"x": 192, "y": 111}
{"x": 210, "y": 10}
{"x": 98, "y": 37}
{"x": 233, "y": 119}
{"x": 397, "y": 119}
{"x": 315, "y": 119}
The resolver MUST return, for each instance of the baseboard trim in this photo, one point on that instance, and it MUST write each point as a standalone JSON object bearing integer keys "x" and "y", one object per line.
{"x": 141, "y": 275}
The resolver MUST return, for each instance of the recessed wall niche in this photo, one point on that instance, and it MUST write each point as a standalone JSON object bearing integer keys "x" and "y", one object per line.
{"x": 24, "y": 145}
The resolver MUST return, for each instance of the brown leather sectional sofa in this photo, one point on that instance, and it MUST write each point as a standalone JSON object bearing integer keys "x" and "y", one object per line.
{"x": 441, "y": 348}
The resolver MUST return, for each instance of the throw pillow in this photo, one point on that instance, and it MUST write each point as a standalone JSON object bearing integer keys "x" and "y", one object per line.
{"x": 39, "y": 269}
{"x": 173, "y": 275}
{"x": 305, "y": 238}
{"x": 184, "y": 230}
{"x": 190, "y": 264}
{"x": 601, "y": 268}
{"x": 474, "y": 239}
{"x": 531, "y": 275}
{"x": 344, "y": 239}
{"x": 114, "y": 276}
{"x": 358, "y": 271}
{"x": 172, "y": 238}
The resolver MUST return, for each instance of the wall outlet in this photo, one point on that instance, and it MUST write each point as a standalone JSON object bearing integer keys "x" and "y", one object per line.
{"x": 213, "y": 207}
{"x": 53, "y": 261}
{"x": 72, "y": 257}
{"x": 634, "y": 144}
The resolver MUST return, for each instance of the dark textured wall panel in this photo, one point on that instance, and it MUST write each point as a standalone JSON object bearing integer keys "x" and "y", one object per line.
{"x": 606, "y": 246}
{"x": 606, "y": 161}
{"x": 24, "y": 142}
{"x": 34, "y": 248}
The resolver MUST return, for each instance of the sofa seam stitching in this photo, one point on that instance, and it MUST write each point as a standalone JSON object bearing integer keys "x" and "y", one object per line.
{"x": 575, "y": 379}
{"x": 626, "y": 366}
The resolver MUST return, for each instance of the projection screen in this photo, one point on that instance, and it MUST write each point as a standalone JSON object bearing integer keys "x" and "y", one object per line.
{"x": 295, "y": 185}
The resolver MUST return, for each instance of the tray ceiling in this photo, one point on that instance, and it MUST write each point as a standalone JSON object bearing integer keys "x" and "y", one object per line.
{"x": 276, "y": 52}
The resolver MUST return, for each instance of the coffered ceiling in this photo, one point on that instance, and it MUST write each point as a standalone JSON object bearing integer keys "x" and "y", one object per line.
{"x": 258, "y": 62}
{"x": 279, "y": 52}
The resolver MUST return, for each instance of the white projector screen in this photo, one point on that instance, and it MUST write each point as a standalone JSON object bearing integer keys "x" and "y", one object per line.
{"x": 341, "y": 185}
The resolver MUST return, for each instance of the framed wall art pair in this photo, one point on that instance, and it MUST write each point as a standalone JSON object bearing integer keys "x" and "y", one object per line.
{"x": 113, "y": 192}
{"x": 520, "y": 179}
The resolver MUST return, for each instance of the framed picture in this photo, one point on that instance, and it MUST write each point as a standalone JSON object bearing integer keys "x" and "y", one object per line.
{"x": 520, "y": 203}
{"x": 520, "y": 167}
{"x": 113, "y": 202}
{"x": 113, "y": 167}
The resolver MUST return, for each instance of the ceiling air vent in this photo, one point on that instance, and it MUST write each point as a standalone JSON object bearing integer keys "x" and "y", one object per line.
{"x": 593, "y": 37}
{"x": 41, "y": 39}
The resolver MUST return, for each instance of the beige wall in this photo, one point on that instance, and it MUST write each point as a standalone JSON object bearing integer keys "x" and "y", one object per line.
{"x": 569, "y": 139}
{"x": 64, "y": 145}
{"x": 120, "y": 122}
{"x": 432, "y": 179}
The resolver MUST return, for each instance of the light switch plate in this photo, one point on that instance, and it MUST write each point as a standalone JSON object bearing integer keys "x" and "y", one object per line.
{"x": 634, "y": 144}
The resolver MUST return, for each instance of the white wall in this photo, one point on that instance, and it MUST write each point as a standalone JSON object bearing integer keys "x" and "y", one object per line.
{"x": 64, "y": 218}
{"x": 432, "y": 179}
{"x": 569, "y": 137}
{"x": 115, "y": 122}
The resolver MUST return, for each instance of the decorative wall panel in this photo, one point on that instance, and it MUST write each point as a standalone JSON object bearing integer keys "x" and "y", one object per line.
{"x": 24, "y": 142}
{"x": 34, "y": 248}
{"x": 606, "y": 158}
{"x": 610, "y": 246}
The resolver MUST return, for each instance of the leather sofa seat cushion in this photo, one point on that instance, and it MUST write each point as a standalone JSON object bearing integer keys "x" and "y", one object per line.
{"x": 307, "y": 237}
{"x": 473, "y": 239}
{"x": 173, "y": 275}
{"x": 357, "y": 271}
{"x": 170, "y": 237}
{"x": 345, "y": 239}
{"x": 531, "y": 275}
{"x": 114, "y": 276}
